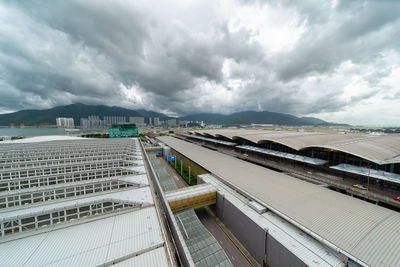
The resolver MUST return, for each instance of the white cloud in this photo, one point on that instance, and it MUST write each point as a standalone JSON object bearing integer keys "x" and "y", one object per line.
{"x": 336, "y": 60}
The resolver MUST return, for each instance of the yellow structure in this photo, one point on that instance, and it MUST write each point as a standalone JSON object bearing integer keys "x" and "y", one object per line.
{"x": 195, "y": 197}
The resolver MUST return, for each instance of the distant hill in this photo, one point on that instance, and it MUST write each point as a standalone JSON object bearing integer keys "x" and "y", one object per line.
{"x": 76, "y": 111}
{"x": 209, "y": 118}
{"x": 152, "y": 114}
{"x": 258, "y": 117}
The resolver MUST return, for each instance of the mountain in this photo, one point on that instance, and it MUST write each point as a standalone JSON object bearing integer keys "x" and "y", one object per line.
{"x": 76, "y": 111}
{"x": 149, "y": 113}
{"x": 312, "y": 120}
{"x": 247, "y": 117}
{"x": 209, "y": 118}
{"x": 258, "y": 117}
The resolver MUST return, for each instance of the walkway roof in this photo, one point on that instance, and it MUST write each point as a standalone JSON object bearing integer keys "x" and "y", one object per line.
{"x": 381, "y": 149}
{"x": 367, "y": 232}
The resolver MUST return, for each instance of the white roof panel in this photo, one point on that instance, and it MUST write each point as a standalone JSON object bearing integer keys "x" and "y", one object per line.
{"x": 154, "y": 258}
{"x": 138, "y": 195}
{"x": 87, "y": 244}
{"x": 136, "y": 179}
{"x": 45, "y": 138}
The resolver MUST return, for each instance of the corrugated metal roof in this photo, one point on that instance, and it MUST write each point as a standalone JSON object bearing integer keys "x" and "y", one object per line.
{"x": 307, "y": 249}
{"x": 348, "y": 223}
{"x": 295, "y": 157}
{"x": 89, "y": 244}
{"x": 136, "y": 196}
{"x": 154, "y": 258}
{"x": 378, "y": 174}
{"x": 45, "y": 138}
{"x": 136, "y": 179}
{"x": 381, "y": 149}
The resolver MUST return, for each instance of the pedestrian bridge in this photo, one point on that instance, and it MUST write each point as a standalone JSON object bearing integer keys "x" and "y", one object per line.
{"x": 194, "y": 196}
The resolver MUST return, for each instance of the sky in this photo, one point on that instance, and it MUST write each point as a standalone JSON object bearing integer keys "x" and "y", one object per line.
{"x": 334, "y": 60}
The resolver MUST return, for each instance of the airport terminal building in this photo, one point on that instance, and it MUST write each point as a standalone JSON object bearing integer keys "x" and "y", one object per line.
{"x": 71, "y": 201}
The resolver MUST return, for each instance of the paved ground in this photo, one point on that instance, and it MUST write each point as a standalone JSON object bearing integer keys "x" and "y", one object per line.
{"x": 230, "y": 246}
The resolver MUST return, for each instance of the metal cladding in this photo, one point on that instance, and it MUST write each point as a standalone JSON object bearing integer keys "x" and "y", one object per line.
{"x": 78, "y": 202}
{"x": 380, "y": 149}
{"x": 366, "y": 233}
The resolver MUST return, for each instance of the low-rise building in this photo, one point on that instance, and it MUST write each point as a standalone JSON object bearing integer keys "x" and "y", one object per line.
{"x": 123, "y": 130}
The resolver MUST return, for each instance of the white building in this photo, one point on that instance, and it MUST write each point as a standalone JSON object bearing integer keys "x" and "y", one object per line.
{"x": 156, "y": 121}
{"x": 171, "y": 122}
{"x": 92, "y": 122}
{"x": 139, "y": 121}
{"x": 109, "y": 120}
{"x": 65, "y": 122}
{"x": 150, "y": 122}
{"x": 136, "y": 120}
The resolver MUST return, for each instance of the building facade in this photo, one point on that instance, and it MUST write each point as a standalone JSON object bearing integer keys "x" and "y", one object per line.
{"x": 156, "y": 121}
{"x": 65, "y": 122}
{"x": 171, "y": 122}
{"x": 123, "y": 130}
{"x": 109, "y": 120}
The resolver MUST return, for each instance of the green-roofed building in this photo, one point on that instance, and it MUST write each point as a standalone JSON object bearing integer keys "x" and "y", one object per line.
{"x": 123, "y": 130}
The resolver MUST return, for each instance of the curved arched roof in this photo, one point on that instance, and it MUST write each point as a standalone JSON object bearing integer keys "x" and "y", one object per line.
{"x": 383, "y": 149}
{"x": 368, "y": 232}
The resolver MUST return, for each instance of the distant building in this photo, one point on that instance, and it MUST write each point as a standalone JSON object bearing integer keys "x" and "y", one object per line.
{"x": 93, "y": 118}
{"x": 123, "y": 130}
{"x": 171, "y": 122}
{"x": 65, "y": 122}
{"x": 156, "y": 121}
{"x": 183, "y": 123}
{"x": 84, "y": 123}
{"x": 109, "y": 120}
{"x": 92, "y": 122}
{"x": 139, "y": 121}
{"x": 150, "y": 122}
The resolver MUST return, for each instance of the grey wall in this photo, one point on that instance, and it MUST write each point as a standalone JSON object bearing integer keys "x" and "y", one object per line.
{"x": 278, "y": 255}
{"x": 263, "y": 247}
{"x": 249, "y": 233}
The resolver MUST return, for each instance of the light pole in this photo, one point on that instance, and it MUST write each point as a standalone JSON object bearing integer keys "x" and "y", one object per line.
{"x": 189, "y": 175}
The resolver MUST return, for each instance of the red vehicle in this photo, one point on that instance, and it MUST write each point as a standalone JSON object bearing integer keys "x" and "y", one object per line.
{"x": 396, "y": 198}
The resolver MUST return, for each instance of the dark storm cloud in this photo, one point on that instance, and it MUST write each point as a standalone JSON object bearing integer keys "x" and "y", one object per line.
{"x": 181, "y": 60}
{"x": 358, "y": 34}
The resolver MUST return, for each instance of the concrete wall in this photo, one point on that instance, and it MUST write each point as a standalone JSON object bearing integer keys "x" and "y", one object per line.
{"x": 250, "y": 234}
{"x": 263, "y": 247}
{"x": 278, "y": 255}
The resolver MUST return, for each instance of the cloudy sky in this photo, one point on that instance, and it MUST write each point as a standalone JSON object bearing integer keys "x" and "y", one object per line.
{"x": 335, "y": 60}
